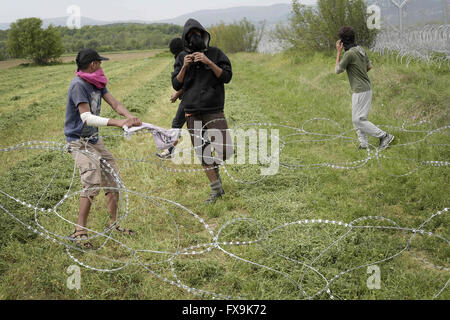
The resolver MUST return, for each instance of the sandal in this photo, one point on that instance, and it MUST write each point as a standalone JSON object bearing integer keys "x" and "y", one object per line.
{"x": 166, "y": 154}
{"x": 122, "y": 230}
{"x": 78, "y": 236}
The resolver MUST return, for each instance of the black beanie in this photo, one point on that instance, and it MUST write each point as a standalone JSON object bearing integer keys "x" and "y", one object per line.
{"x": 176, "y": 46}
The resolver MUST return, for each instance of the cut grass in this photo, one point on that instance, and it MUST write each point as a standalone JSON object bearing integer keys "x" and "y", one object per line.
{"x": 265, "y": 89}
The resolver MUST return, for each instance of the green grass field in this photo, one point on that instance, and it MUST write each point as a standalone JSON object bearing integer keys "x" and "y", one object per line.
{"x": 290, "y": 262}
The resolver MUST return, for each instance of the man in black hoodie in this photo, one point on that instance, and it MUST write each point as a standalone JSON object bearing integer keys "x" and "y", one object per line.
{"x": 201, "y": 72}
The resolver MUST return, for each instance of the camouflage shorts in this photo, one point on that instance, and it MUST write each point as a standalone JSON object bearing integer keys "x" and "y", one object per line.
{"x": 94, "y": 173}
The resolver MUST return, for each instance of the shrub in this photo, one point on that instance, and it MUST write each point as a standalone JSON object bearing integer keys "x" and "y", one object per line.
{"x": 317, "y": 28}
{"x": 27, "y": 39}
{"x": 243, "y": 36}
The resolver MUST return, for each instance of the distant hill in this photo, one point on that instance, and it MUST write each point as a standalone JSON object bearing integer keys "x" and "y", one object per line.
{"x": 62, "y": 21}
{"x": 271, "y": 14}
{"x": 418, "y": 12}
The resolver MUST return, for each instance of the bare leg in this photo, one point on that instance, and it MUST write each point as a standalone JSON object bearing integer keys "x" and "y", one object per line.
{"x": 211, "y": 174}
{"x": 112, "y": 199}
{"x": 85, "y": 207}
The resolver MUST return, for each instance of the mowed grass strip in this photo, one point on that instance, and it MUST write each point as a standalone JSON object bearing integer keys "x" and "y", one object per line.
{"x": 45, "y": 120}
{"x": 19, "y": 101}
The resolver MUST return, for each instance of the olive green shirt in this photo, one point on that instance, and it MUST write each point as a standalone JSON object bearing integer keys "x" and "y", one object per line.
{"x": 356, "y": 62}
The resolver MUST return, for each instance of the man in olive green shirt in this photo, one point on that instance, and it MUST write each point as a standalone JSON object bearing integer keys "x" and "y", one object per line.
{"x": 357, "y": 64}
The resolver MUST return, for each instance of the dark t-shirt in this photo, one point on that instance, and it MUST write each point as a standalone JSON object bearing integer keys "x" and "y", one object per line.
{"x": 81, "y": 91}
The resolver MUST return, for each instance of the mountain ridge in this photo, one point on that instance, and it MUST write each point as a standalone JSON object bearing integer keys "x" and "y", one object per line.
{"x": 415, "y": 12}
{"x": 271, "y": 14}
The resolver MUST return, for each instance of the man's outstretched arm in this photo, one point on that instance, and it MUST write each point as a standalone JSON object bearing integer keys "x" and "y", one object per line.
{"x": 117, "y": 106}
{"x": 96, "y": 121}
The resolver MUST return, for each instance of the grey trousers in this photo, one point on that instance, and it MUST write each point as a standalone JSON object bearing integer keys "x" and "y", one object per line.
{"x": 361, "y": 104}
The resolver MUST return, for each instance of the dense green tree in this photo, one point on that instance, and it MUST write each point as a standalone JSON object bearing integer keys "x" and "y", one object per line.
{"x": 317, "y": 28}
{"x": 93, "y": 44}
{"x": 114, "y": 37}
{"x": 236, "y": 37}
{"x": 78, "y": 46}
{"x": 2, "y": 52}
{"x": 120, "y": 36}
{"x": 27, "y": 39}
{"x": 3, "y": 38}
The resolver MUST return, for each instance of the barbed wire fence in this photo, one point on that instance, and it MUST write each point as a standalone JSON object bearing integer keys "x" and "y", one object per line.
{"x": 425, "y": 38}
{"x": 218, "y": 240}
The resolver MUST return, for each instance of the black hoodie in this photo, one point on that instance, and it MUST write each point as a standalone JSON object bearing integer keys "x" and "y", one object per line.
{"x": 203, "y": 92}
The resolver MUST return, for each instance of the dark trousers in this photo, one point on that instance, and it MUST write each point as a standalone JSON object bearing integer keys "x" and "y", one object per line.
{"x": 216, "y": 126}
{"x": 180, "y": 118}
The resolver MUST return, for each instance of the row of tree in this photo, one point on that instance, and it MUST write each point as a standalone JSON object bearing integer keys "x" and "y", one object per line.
{"x": 119, "y": 37}
{"x": 313, "y": 28}
{"x": 309, "y": 27}
{"x": 27, "y": 39}
{"x": 3, "y": 38}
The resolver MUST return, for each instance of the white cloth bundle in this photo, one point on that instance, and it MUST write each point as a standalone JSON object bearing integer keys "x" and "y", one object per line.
{"x": 164, "y": 138}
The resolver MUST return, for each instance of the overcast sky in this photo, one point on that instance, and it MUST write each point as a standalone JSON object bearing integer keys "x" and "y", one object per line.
{"x": 108, "y": 10}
